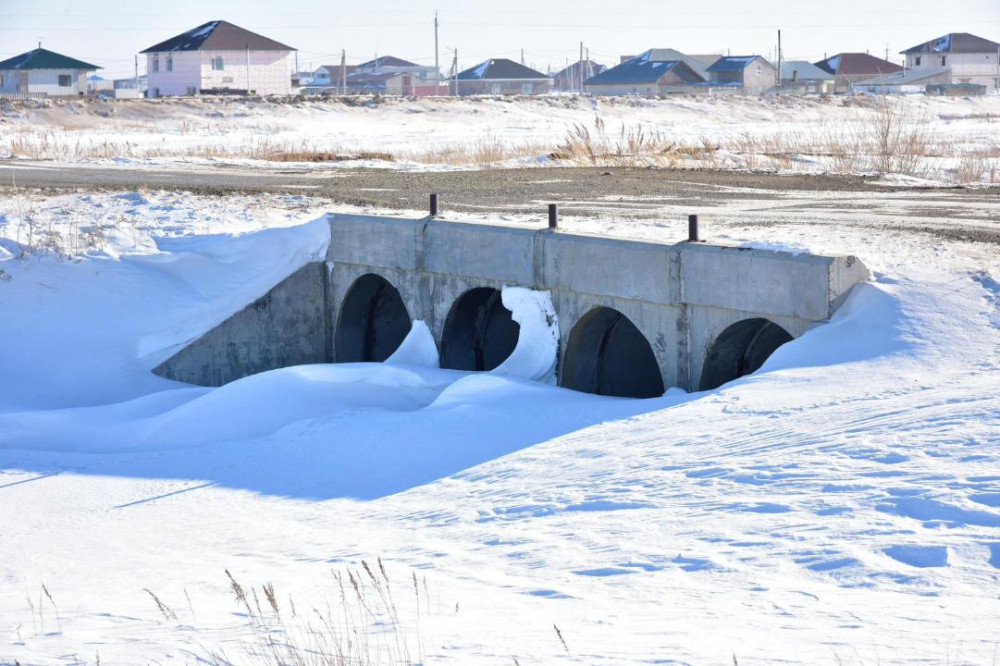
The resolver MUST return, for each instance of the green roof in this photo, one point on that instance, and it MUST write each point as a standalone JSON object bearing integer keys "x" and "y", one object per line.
{"x": 45, "y": 59}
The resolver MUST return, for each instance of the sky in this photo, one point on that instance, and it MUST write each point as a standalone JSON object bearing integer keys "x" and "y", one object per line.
{"x": 109, "y": 33}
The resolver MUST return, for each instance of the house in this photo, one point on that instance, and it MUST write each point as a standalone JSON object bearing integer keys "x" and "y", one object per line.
{"x": 646, "y": 74}
{"x": 967, "y": 59}
{"x": 385, "y": 64}
{"x": 800, "y": 76}
{"x": 851, "y": 68}
{"x": 751, "y": 74}
{"x": 500, "y": 76}
{"x": 569, "y": 78}
{"x": 330, "y": 75}
{"x": 44, "y": 72}
{"x": 300, "y": 79}
{"x": 219, "y": 57}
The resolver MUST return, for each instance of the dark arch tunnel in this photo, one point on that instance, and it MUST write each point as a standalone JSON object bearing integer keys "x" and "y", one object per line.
{"x": 372, "y": 323}
{"x": 740, "y": 350}
{"x": 479, "y": 333}
{"x": 607, "y": 355}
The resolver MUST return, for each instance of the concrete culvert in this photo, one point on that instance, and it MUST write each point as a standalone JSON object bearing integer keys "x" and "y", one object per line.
{"x": 479, "y": 333}
{"x": 607, "y": 355}
{"x": 372, "y": 323}
{"x": 740, "y": 350}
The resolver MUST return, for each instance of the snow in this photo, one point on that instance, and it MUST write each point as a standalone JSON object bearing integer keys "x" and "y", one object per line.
{"x": 790, "y": 133}
{"x": 840, "y": 505}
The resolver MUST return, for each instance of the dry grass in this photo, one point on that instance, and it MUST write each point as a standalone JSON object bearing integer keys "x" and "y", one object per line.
{"x": 630, "y": 145}
{"x": 363, "y": 628}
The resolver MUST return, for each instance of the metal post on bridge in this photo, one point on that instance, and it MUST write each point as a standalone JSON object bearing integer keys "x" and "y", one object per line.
{"x": 553, "y": 216}
{"x": 434, "y": 205}
{"x": 693, "y": 229}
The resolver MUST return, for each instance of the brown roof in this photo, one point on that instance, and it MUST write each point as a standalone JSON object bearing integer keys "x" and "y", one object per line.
{"x": 218, "y": 36}
{"x": 858, "y": 64}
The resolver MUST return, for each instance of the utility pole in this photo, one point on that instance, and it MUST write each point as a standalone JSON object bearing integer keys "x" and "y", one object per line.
{"x": 437, "y": 60}
{"x": 343, "y": 71}
{"x": 778, "y": 83}
{"x": 137, "y": 74}
{"x": 522, "y": 57}
{"x": 590, "y": 71}
{"x": 454, "y": 75}
{"x": 248, "y": 69}
{"x": 581, "y": 68}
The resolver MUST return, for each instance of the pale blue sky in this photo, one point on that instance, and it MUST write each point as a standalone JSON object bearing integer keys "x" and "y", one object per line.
{"x": 110, "y": 32}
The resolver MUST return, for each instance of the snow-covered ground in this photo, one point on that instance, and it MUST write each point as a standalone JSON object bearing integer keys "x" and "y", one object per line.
{"x": 941, "y": 139}
{"x": 841, "y": 506}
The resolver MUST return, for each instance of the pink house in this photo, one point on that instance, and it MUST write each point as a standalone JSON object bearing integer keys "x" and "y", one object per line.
{"x": 219, "y": 57}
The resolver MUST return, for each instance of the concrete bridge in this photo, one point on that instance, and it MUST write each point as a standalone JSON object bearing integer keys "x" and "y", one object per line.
{"x": 634, "y": 317}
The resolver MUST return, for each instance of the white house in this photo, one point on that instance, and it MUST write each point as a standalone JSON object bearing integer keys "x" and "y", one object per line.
{"x": 44, "y": 72}
{"x": 968, "y": 59}
{"x": 219, "y": 57}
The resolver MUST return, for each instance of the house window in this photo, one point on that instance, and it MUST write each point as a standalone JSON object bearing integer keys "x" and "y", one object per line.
{"x": 217, "y": 64}
{"x": 758, "y": 70}
{"x": 528, "y": 89}
{"x": 916, "y": 61}
{"x": 496, "y": 88}
{"x": 156, "y": 64}
{"x": 65, "y": 80}
{"x": 944, "y": 60}
{"x": 170, "y": 64}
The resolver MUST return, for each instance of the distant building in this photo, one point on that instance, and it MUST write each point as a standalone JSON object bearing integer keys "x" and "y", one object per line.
{"x": 849, "y": 69}
{"x": 906, "y": 82}
{"x": 799, "y": 76}
{"x": 751, "y": 74}
{"x": 384, "y": 64}
{"x": 501, "y": 77}
{"x": 329, "y": 75}
{"x": 219, "y": 57}
{"x": 648, "y": 74}
{"x": 569, "y": 78}
{"x": 44, "y": 72}
{"x": 966, "y": 58}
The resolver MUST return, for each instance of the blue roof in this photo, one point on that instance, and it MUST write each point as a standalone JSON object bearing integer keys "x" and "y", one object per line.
{"x": 643, "y": 69}
{"x": 732, "y": 63}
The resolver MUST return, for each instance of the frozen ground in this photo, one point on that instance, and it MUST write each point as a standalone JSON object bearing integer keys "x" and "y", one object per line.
{"x": 937, "y": 139}
{"x": 841, "y": 506}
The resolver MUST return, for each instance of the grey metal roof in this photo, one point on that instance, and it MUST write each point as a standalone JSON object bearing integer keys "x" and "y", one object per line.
{"x": 907, "y": 77}
{"x": 956, "y": 42}
{"x": 387, "y": 61}
{"x": 646, "y": 68}
{"x": 806, "y": 71}
{"x": 218, "y": 36}
{"x": 858, "y": 64}
{"x": 499, "y": 69}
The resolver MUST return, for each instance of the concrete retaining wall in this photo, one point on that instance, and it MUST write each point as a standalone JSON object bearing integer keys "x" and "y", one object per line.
{"x": 289, "y": 325}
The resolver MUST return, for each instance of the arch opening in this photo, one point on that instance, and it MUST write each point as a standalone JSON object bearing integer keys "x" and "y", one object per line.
{"x": 607, "y": 355}
{"x": 372, "y": 323}
{"x": 740, "y": 350}
{"x": 479, "y": 333}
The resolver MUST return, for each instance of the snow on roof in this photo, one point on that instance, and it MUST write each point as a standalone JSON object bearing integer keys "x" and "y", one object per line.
{"x": 732, "y": 63}
{"x": 387, "y": 61}
{"x": 956, "y": 42}
{"x": 645, "y": 68}
{"x": 858, "y": 64}
{"x": 45, "y": 59}
{"x": 218, "y": 36}
{"x": 499, "y": 69}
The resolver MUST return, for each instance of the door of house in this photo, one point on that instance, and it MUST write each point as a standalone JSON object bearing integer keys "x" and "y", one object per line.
{"x": 407, "y": 86}
{"x": 22, "y": 82}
